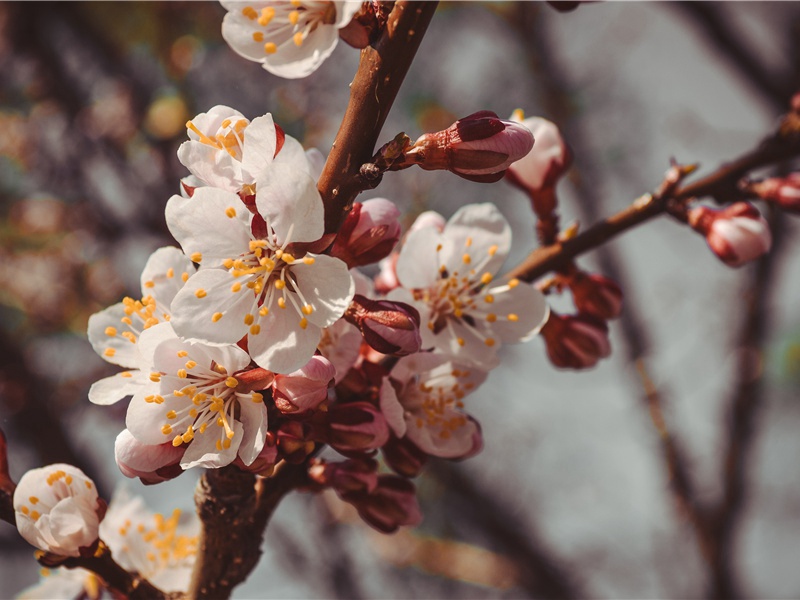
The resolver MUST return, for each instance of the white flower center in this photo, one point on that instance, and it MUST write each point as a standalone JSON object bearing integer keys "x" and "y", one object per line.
{"x": 160, "y": 547}
{"x": 229, "y": 136}
{"x": 62, "y": 485}
{"x": 284, "y": 20}
{"x": 434, "y": 399}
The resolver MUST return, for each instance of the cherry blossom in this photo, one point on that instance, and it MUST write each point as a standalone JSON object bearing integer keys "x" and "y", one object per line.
{"x": 449, "y": 278}
{"x": 57, "y": 509}
{"x": 194, "y": 398}
{"x": 114, "y": 332}
{"x": 278, "y": 297}
{"x": 422, "y": 400}
{"x": 289, "y": 39}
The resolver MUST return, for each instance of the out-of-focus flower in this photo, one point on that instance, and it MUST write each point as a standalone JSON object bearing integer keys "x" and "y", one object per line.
{"x": 596, "y": 295}
{"x": 736, "y": 234}
{"x": 388, "y": 327}
{"x": 227, "y": 151}
{"x": 64, "y": 583}
{"x": 575, "y": 341}
{"x": 392, "y": 504}
{"x": 114, "y": 332}
{"x": 58, "y": 510}
{"x": 449, "y": 278}
{"x": 278, "y": 300}
{"x": 479, "y": 147}
{"x": 304, "y": 389}
{"x": 289, "y": 39}
{"x": 783, "y": 191}
{"x": 193, "y": 399}
{"x": 422, "y": 400}
{"x": 540, "y": 169}
{"x": 369, "y": 233}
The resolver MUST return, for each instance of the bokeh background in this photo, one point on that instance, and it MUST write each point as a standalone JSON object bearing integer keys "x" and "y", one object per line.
{"x": 574, "y": 494}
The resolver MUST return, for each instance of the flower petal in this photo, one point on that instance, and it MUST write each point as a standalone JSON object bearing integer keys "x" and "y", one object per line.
{"x": 283, "y": 346}
{"x": 162, "y": 275}
{"x": 113, "y": 389}
{"x": 254, "y": 423}
{"x": 259, "y": 146}
{"x": 418, "y": 264}
{"x": 104, "y": 331}
{"x": 477, "y": 230}
{"x": 287, "y": 198}
{"x": 327, "y": 285}
{"x": 202, "y": 452}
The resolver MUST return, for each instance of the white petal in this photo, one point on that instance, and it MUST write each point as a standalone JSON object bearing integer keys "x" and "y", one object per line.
{"x": 283, "y": 346}
{"x": 144, "y": 419}
{"x": 289, "y": 201}
{"x": 418, "y": 264}
{"x": 115, "y": 348}
{"x": 162, "y": 275}
{"x": 526, "y": 303}
{"x": 293, "y": 155}
{"x": 152, "y": 338}
{"x": 293, "y": 62}
{"x": 327, "y": 286}
{"x": 115, "y": 388}
{"x": 475, "y": 229}
{"x": 202, "y": 452}
{"x": 455, "y": 444}
{"x": 201, "y": 224}
{"x": 254, "y": 422}
{"x": 392, "y": 409}
{"x": 259, "y": 144}
{"x": 212, "y": 166}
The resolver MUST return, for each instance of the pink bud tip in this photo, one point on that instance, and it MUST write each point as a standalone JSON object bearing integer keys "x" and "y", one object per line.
{"x": 737, "y": 234}
{"x": 543, "y": 166}
{"x": 388, "y": 327}
{"x": 370, "y": 232}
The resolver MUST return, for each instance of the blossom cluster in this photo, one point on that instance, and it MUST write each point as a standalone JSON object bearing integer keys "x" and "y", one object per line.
{"x": 257, "y": 341}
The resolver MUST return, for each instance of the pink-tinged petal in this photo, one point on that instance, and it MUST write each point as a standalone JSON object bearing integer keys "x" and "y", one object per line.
{"x": 519, "y": 312}
{"x": 341, "y": 345}
{"x": 479, "y": 231}
{"x": 202, "y": 224}
{"x": 254, "y": 424}
{"x": 449, "y": 442}
{"x": 113, "y": 389}
{"x": 392, "y": 409}
{"x": 304, "y": 389}
{"x": 260, "y": 142}
{"x": 75, "y": 521}
{"x": 141, "y": 459}
{"x": 152, "y": 338}
{"x": 63, "y": 583}
{"x": 418, "y": 264}
{"x": 162, "y": 275}
{"x": 202, "y": 452}
{"x": 463, "y": 344}
{"x": 238, "y": 30}
{"x": 288, "y": 200}
{"x": 194, "y": 317}
{"x": 327, "y": 286}
{"x": 104, "y": 331}
{"x": 283, "y": 346}
{"x": 145, "y": 420}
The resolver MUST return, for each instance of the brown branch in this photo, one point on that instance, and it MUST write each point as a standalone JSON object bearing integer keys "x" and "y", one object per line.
{"x": 234, "y": 509}
{"x": 720, "y": 185}
{"x": 380, "y": 73}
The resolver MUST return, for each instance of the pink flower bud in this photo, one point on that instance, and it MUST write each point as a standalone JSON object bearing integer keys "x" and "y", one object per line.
{"x": 304, "y": 389}
{"x": 150, "y": 463}
{"x": 391, "y": 505}
{"x": 370, "y": 232}
{"x": 476, "y": 147}
{"x": 388, "y": 327}
{"x": 356, "y": 427}
{"x": 736, "y": 234}
{"x": 294, "y": 441}
{"x": 575, "y": 341}
{"x": 783, "y": 191}
{"x": 404, "y": 457}
{"x": 386, "y": 279}
{"x": 347, "y": 477}
{"x": 539, "y": 171}
{"x": 596, "y": 295}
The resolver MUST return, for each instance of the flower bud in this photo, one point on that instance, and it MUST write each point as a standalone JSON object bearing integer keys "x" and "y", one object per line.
{"x": 404, "y": 457}
{"x": 477, "y": 147}
{"x": 783, "y": 191}
{"x": 346, "y": 477}
{"x": 150, "y": 463}
{"x": 356, "y": 427}
{"x": 370, "y": 232}
{"x": 391, "y": 505}
{"x": 575, "y": 341}
{"x": 795, "y": 103}
{"x": 596, "y": 295}
{"x": 294, "y": 441}
{"x": 304, "y": 389}
{"x": 538, "y": 171}
{"x": 58, "y": 510}
{"x": 736, "y": 234}
{"x": 388, "y": 327}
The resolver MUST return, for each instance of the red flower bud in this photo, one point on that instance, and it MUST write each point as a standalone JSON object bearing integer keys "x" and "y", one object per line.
{"x": 783, "y": 191}
{"x": 370, "y": 232}
{"x": 575, "y": 341}
{"x": 356, "y": 427}
{"x": 347, "y": 477}
{"x": 404, "y": 457}
{"x": 736, "y": 234}
{"x": 596, "y": 295}
{"x": 391, "y": 505}
{"x": 304, "y": 389}
{"x": 294, "y": 441}
{"x": 477, "y": 147}
{"x": 388, "y": 327}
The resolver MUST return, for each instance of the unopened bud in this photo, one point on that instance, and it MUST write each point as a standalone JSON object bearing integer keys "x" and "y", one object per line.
{"x": 304, "y": 389}
{"x": 783, "y": 191}
{"x": 596, "y": 295}
{"x": 404, "y": 457}
{"x": 736, "y": 234}
{"x": 575, "y": 341}
{"x": 370, "y": 232}
{"x": 538, "y": 171}
{"x": 388, "y": 327}
{"x": 356, "y": 427}
{"x": 391, "y": 505}
{"x": 479, "y": 147}
{"x": 347, "y": 477}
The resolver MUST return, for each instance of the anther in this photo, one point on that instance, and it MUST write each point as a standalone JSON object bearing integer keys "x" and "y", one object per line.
{"x": 190, "y": 364}
{"x": 231, "y": 382}
{"x": 170, "y": 273}
{"x": 248, "y": 319}
{"x": 236, "y": 287}
{"x": 149, "y": 284}
{"x": 512, "y": 317}
{"x": 196, "y": 257}
{"x": 488, "y": 298}
{"x": 294, "y": 17}
{"x": 109, "y": 352}
{"x": 298, "y": 38}
{"x": 111, "y": 331}
{"x": 263, "y": 311}
{"x": 309, "y": 260}
{"x": 256, "y": 397}
{"x": 201, "y": 293}
{"x": 166, "y": 429}
{"x": 303, "y": 323}
{"x": 281, "y": 303}
{"x": 492, "y": 250}
{"x": 185, "y": 276}
{"x": 255, "y": 329}
{"x": 307, "y": 309}
{"x": 155, "y": 377}
{"x": 466, "y": 259}
{"x": 486, "y": 278}
{"x": 230, "y": 212}
{"x": 270, "y": 48}
{"x": 258, "y": 36}
{"x": 279, "y": 284}
{"x": 216, "y": 316}
{"x": 266, "y": 16}
{"x": 182, "y": 353}
{"x": 489, "y": 342}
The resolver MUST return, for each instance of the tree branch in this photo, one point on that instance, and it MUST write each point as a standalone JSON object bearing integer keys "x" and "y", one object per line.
{"x": 380, "y": 73}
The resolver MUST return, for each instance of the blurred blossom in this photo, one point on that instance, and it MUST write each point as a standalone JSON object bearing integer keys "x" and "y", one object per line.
{"x": 783, "y": 191}
{"x": 166, "y": 117}
{"x": 596, "y": 295}
{"x": 575, "y": 341}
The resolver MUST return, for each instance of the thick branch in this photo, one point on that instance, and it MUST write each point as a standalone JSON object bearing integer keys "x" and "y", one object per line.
{"x": 382, "y": 69}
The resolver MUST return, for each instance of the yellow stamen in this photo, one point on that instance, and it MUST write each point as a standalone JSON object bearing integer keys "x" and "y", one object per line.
{"x": 258, "y": 36}
{"x": 486, "y": 278}
{"x": 281, "y": 303}
{"x": 109, "y": 352}
{"x": 182, "y": 353}
{"x": 263, "y": 311}
{"x": 155, "y": 377}
{"x": 466, "y": 259}
{"x": 201, "y": 293}
{"x": 309, "y": 260}
{"x": 512, "y": 317}
{"x": 256, "y": 397}
{"x": 250, "y": 13}
{"x": 170, "y": 273}
{"x": 185, "y": 276}
{"x": 303, "y": 323}
{"x": 190, "y": 364}
{"x": 489, "y": 342}
{"x": 230, "y": 212}
{"x": 111, "y": 331}
{"x": 231, "y": 382}
{"x": 266, "y": 16}
{"x": 298, "y": 38}
{"x": 236, "y": 287}
{"x": 149, "y": 284}
{"x": 491, "y": 317}
{"x": 279, "y": 284}
{"x": 196, "y": 257}
{"x": 255, "y": 329}
{"x": 488, "y": 298}
{"x": 493, "y": 250}
{"x": 166, "y": 429}
{"x": 270, "y": 48}
{"x": 307, "y": 309}
{"x": 294, "y": 17}
{"x": 248, "y": 319}
{"x": 216, "y": 316}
